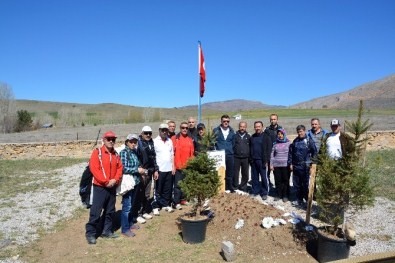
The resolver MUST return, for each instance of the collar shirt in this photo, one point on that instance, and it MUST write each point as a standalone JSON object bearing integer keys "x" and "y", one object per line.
{"x": 334, "y": 147}
{"x": 164, "y": 154}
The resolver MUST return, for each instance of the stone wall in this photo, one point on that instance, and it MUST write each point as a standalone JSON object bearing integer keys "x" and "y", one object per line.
{"x": 83, "y": 149}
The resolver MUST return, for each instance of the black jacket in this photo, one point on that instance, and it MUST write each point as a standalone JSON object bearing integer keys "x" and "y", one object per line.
{"x": 146, "y": 154}
{"x": 241, "y": 148}
{"x": 260, "y": 145}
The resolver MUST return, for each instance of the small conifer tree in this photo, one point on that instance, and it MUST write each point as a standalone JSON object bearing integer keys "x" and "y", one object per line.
{"x": 345, "y": 183}
{"x": 201, "y": 177}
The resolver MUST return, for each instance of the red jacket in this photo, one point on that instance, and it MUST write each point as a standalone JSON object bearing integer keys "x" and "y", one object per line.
{"x": 113, "y": 169}
{"x": 183, "y": 150}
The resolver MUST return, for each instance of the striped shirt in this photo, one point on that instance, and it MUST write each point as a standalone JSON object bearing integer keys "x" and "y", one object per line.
{"x": 279, "y": 155}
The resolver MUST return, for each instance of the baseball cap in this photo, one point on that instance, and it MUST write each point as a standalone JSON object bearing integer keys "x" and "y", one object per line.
{"x": 132, "y": 136}
{"x": 146, "y": 129}
{"x": 163, "y": 126}
{"x": 335, "y": 122}
{"x": 200, "y": 126}
{"x": 109, "y": 134}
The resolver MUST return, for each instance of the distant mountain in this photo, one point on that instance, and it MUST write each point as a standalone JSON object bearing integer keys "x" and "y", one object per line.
{"x": 233, "y": 105}
{"x": 379, "y": 94}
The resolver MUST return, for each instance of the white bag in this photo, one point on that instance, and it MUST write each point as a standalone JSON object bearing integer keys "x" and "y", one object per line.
{"x": 126, "y": 184}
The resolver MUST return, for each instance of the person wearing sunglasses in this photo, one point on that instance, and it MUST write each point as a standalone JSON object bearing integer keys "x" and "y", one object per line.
{"x": 165, "y": 160}
{"x": 147, "y": 158}
{"x": 183, "y": 151}
{"x": 106, "y": 168}
{"x": 226, "y": 141}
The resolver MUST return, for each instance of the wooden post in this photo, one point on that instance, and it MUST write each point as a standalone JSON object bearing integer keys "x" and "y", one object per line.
{"x": 313, "y": 169}
{"x": 221, "y": 174}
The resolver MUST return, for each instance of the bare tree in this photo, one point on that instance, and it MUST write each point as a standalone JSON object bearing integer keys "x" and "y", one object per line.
{"x": 7, "y": 107}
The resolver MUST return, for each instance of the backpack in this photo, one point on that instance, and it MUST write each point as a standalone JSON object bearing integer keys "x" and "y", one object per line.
{"x": 86, "y": 185}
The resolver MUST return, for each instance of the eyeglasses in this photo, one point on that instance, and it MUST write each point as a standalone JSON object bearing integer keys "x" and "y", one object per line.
{"x": 147, "y": 133}
{"x": 111, "y": 139}
{"x": 164, "y": 130}
{"x": 184, "y": 128}
{"x": 225, "y": 121}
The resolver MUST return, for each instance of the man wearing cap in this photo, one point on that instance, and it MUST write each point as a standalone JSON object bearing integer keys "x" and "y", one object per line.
{"x": 197, "y": 143}
{"x": 165, "y": 160}
{"x": 147, "y": 158}
{"x": 337, "y": 142}
{"x": 183, "y": 151}
{"x": 242, "y": 154}
{"x": 106, "y": 168}
{"x": 226, "y": 141}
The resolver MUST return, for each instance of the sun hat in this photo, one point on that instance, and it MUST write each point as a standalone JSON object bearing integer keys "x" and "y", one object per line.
{"x": 146, "y": 129}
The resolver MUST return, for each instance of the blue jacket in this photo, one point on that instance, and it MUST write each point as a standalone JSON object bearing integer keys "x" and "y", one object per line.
{"x": 301, "y": 152}
{"x": 223, "y": 144}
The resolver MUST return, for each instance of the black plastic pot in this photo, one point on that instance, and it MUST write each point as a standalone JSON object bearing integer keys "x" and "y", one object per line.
{"x": 193, "y": 231}
{"x": 330, "y": 249}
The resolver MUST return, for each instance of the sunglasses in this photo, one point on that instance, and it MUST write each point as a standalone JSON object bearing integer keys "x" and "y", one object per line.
{"x": 184, "y": 128}
{"x": 164, "y": 130}
{"x": 111, "y": 139}
{"x": 225, "y": 121}
{"x": 147, "y": 133}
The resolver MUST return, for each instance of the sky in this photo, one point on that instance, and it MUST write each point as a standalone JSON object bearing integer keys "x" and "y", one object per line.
{"x": 145, "y": 53}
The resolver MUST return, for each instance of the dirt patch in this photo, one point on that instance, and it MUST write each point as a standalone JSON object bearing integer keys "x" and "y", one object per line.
{"x": 160, "y": 240}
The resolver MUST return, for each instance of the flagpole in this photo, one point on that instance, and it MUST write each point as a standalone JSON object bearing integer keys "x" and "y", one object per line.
{"x": 200, "y": 99}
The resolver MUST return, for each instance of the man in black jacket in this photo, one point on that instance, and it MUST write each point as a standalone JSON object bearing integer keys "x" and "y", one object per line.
{"x": 271, "y": 131}
{"x": 259, "y": 158}
{"x": 241, "y": 157}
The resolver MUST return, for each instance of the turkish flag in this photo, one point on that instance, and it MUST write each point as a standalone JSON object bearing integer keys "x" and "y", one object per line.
{"x": 202, "y": 71}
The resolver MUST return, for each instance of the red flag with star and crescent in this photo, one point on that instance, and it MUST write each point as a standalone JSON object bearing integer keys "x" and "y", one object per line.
{"x": 202, "y": 71}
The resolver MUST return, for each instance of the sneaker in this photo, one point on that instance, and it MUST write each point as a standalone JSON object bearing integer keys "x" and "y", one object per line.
{"x": 184, "y": 202}
{"x": 168, "y": 209}
{"x": 276, "y": 198}
{"x": 91, "y": 240}
{"x": 264, "y": 197}
{"x": 147, "y": 216}
{"x": 141, "y": 220}
{"x": 285, "y": 199}
{"x": 156, "y": 211}
{"x": 110, "y": 235}
{"x": 129, "y": 234}
{"x": 178, "y": 206}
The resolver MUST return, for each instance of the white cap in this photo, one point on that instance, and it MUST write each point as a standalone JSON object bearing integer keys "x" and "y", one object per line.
{"x": 132, "y": 136}
{"x": 146, "y": 129}
{"x": 163, "y": 126}
{"x": 335, "y": 122}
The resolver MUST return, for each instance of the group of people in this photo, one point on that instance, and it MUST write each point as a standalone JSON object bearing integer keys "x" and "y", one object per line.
{"x": 163, "y": 158}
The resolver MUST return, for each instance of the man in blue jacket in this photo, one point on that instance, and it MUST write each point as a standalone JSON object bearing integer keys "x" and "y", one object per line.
{"x": 301, "y": 153}
{"x": 226, "y": 141}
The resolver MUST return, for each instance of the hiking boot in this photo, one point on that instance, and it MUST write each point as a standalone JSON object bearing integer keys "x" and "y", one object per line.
{"x": 110, "y": 235}
{"x": 91, "y": 240}
{"x": 178, "y": 206}
{"x": 156, "y": 211}
{"x": 129, "y": 234}
{"x": 141, "y": 220}
{"x": 147, "y": 216}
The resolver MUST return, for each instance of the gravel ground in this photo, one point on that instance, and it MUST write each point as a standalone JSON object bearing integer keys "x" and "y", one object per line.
{"x": 42, "y": 209}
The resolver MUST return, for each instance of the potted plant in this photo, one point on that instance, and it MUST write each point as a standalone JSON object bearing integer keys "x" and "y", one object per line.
{"x": 343, "y": 185}
{"x": 201, "y": 182}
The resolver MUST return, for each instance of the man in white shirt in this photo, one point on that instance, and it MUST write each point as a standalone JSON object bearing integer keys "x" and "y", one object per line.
{"x": 337, "y": 142}
{"x": 164, "y": 159}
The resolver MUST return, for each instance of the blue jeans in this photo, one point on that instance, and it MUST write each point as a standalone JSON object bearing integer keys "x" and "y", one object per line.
{"x": 126, "y": 215}
{"x": 258, "y": 171}
{"x": 300, "y": 180}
